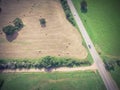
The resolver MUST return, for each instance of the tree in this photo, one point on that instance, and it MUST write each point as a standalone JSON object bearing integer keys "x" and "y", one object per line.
{"x": 118, "y": 62}
{"x": 42, "y": 22}
{"x": 83, "y": 6}
{"x": 9, "y": 30}
{"x": 48, "y": 62}
{"x": 18, "y": 23}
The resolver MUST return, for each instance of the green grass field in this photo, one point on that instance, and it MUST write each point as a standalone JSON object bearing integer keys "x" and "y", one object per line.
{"x": 102, "y": 23}
{"x": 87, "y": 80}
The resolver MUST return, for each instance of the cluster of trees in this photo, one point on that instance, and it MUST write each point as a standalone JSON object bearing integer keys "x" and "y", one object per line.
{"x": 42, "y": 22}
{"x": 11, "y": 29}
{"x": 46, "y": 62}
{"x": 68, "y": 13}
{"x": 110, "y": 65}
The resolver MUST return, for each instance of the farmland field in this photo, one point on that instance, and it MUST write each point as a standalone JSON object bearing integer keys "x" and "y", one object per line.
{"x": 58, "y": 38}
{"x": 102, "y": 23}
{"x": 87, "y": 80}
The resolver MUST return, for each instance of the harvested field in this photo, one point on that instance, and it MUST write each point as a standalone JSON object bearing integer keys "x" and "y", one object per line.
{"x": 58, "y": 38}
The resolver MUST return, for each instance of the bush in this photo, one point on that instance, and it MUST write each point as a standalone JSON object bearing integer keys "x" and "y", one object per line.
{"x": 42, "y": 22}
{"x": 118, "y": 62}
{"x": 83, "y": 6}
{"x": 67, "y": 12}
{"x": 18, "y": 23}
{"x": 9, "y": 30}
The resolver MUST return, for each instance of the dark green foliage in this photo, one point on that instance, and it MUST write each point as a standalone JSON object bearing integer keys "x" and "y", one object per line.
{"x": 9, "y": 30}
{"x": 42, "y": 22}
{"x": 46, "y": 62}
{"x": 118, "y": 62}
{"x": 18, "y": 23}
{"x": 67, "y": 12}
{"x": 111, "y": 64}
{"x": 83, "y": 6}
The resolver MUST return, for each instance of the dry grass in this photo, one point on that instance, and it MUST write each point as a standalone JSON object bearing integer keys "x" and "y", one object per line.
{"x": 58, "y": 38}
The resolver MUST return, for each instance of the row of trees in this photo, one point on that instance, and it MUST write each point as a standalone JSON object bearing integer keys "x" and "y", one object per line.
{"x": 68, "y": 13}
{"x": 11, "y": 29}
{"x": 46, "y": 62}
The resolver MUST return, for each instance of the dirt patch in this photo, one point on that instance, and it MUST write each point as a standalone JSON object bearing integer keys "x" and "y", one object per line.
{"x": 58, "y": 38}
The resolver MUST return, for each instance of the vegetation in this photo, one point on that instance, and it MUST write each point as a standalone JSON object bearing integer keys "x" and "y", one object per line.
{"x": 113, "y": 66}
{"x": 10, "y": 29}
{"x": 68, "y": 13}
{"x": 18, "y": 23}
{"x": 83, "y": 6}
{"x": 116, "y": 74}
{"x": 110, "y": 64}
{"x": 102, "y": 24}
{"x": 86, "y": 80}
{"x": 42, "y": 22}
{"x": 45, "y": 62}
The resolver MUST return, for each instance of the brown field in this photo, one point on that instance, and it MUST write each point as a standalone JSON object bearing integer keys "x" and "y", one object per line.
{"x": 58, "y": 38}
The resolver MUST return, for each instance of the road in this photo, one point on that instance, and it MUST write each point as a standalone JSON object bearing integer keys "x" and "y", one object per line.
{"x": 106, "y": 77}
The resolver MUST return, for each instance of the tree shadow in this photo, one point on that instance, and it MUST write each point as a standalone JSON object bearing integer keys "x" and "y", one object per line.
{"x": 48, "y": 69}
{"x": 1, "y": 84}
{"x": 10, "y": 38}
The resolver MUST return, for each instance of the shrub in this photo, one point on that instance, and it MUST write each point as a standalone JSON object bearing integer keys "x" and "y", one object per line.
{"x": 9, "y": 30}
{"x": 118, "y": 62}
{"x": 83, "y": 6}
{"x": 67, "y": 12}
{"x": 42, "y": 22}
{"x": 18, "y": 23}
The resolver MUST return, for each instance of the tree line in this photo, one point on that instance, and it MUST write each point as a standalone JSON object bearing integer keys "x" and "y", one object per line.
{"x": 46, "y": 62}
{"x": 67, "y": 11}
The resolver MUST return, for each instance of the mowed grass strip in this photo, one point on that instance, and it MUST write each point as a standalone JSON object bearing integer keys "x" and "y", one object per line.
{"x": 87, "y": 80}
{"x": 102, "y": 24}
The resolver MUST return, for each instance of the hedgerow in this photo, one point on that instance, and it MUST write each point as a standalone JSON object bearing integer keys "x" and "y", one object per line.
{"x": 45, "y": 62}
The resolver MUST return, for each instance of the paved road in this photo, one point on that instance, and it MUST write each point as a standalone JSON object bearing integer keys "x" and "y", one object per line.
{"x": 107, "y": 79}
